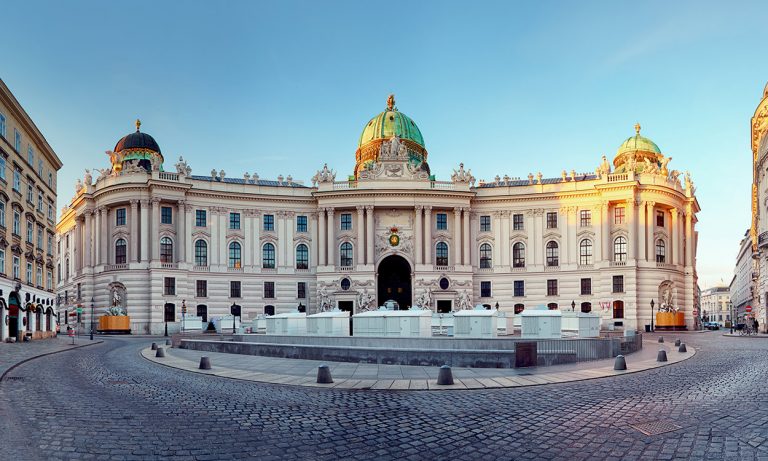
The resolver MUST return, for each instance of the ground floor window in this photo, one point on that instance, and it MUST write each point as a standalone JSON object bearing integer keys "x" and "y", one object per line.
{"x": 301, "y": 290}
{"x": 551, "y": 287}
{"x": 169, "y": 286}
{"x": 269, "y": 290}
{"x": 586, "y": 307}
{"x": 485, "y": 289}
{"x": 552, "y": 306}
{"x": 618, "y": 309}
{"x": 586, "y": 286}
{"x": 234, "y": 289}
{"x": 519, "y": 308}
{"x": 202, "y": 311}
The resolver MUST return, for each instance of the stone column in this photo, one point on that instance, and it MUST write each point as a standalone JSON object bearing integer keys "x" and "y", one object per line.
{"x": 144, "y": 237}
{"x": 530, "y": 230}
{"x": 597, "y": 219}
{"x": 133, "y": 240}
{"x": 631, "y": 230}
{"x": 573, "y": 225}
{"x": 248, "y": 241}
{"x": 315, "y": 244}
{"x": 689, "y": 236}
{"x": 181, "y": 234}
{"x": 96, "y": 236}
{"x": 496, "y": 228}
{"x": 428, "y": 235}
{"x": 651, "y": 227}
{"x": 322, "y": 243}
{"x": 104, "y": 231}
{"x": 360, "y": 245}
{"x": 290, "y": 228}
{"x": 673, "y": 245}
{"x": 418, "y": 231}
{"x": 466, "y": 236}
{"x": 256, "y": 238}
{"x": 369, "y": 243}
{"x": 457, "y": 241}
{"x": 331, "y": 224}
{"x": 282, "y": 258}
{"x": 504, "y": 244}
{"x": 641, "y": 232}
{"x": 87, "y": 239}
{"x": 222, "y": 218}
{"x": 605, "y": 231}
{"x": 562, "y": 227}
{"x": 538, "y": 236}
{"x": 213, "y": 248}
{"x": 154, "y": 235}
{"x": 190, "y": 244}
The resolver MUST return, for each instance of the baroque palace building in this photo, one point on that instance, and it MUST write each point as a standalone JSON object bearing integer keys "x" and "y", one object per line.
{"x": 28, "y": 168}
{"x": 608, "y": 241}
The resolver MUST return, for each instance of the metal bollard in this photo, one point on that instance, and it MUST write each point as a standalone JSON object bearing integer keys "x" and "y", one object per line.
{"x": 682, "y": 348}
{"x": 677, "y": 342}
{"x": 160, "y": 352}
{"x": 445, "y": 377}
{"x": 154, "y": 346}
{"x": 324, "y": 375}
{"x": 205, "y": 363}
{"x": 620, "y": 363}
{"x": 661, "y": 356}
{"x": 167, "y": 342}
{"x": 661, "y": 339}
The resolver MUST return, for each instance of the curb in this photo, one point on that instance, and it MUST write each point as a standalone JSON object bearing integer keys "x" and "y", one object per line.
{"x": 146, "y": 353}
{"x": 2, "y": 377}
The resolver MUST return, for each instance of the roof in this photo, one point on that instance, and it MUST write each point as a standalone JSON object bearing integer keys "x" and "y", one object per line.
{"x": 259, "y": 182}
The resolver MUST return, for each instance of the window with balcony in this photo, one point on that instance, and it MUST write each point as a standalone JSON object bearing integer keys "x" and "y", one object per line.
{"x": 486, "y": 261}
{"x": 585, "y": 252}
{"x": 268, "y": 256}
{"x": 345, "y": 254}
{"x": 518, "y": 255}
{"x": 302, "y": 256}
{"x": 441, "y": 254}
{"x": 166, "y": 250}
{"x": 234, "y": 255}
{"x": 201, "y": 253}
{"x": 120, "y": 251}
{"x": 553, "y": 254}
{"x": 661, "y": 251}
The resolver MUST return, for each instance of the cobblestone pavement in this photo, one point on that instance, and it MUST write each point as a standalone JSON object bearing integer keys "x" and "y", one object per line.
{"x": 106, "y": 402}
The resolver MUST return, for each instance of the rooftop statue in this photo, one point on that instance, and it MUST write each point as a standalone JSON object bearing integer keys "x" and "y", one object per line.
{"x": 324, "y": 175}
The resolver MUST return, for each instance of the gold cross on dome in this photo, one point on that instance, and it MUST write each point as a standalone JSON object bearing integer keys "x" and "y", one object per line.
{"x": 138, "y": 124}
{"x": 637, "y": 128}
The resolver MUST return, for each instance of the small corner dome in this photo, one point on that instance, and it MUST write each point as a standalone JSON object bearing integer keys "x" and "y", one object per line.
{"x": 137, "y": 140}
{"x": 638, "y": 143}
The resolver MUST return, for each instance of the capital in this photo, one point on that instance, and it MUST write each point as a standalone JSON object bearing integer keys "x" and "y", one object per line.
{"x": 419, "y": 208}
{"x": 369, "y": 208}
{"x": 134, "y": 203}
{"x": 360, "y": 209}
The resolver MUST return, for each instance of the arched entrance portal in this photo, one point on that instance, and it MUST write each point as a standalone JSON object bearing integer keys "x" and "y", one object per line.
{"x": 395, "y": 281}
{"x": 14, "y": 316}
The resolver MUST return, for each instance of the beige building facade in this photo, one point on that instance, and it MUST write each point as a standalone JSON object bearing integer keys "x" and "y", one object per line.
{"x": 28, "y": 169}
{"x": 607, "y": 241}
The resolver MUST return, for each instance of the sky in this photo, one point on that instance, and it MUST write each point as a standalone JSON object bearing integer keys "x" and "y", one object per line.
{"x": 506, "y": 87}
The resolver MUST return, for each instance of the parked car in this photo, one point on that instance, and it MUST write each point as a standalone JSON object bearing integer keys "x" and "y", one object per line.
{"x": 711, "y": 325}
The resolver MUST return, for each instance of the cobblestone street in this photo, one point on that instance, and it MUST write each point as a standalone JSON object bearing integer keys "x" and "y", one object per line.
{"x": 107, "y": 402}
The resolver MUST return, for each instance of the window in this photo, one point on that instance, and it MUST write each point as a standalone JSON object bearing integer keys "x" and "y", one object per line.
{"x": 120, "y": 247}
{"x": 586, "y": 307}
{"x": 301, "y": 223}
{"x": 301, "y": 290}
{"x": 441, "y": 254}
{"x": 302, "y": 257}
{"x": 201, "y": 288}
{"x": 345, "y": 284}
{"x": 50, "y": 210}
{"x": 442, "y": 221}
{"x": 39, "y": 277}
{"x": 519, "y": 288}
{"x": 30, "y": 192}
{"x": 234, "y": 255}
{"x": 67, "y": 267}
{"x": 40, "y": 200}
{"x": 31, "y": 155}
{"x": 517, "y": 222}
{"x": 16, "y": 223}
{"x": 120, "y": 217}
{"x": 29, "y": 273}
{"x": 660, "y": 218}
{"x": 553, "y": 258}
{"x": 16, "y": 140}
{"x": 585, "y": 252}
{"x": 17, "y": 263}
{"x": 268, "y": 256}
{"x": 50, "y": 280}
{"x": 620, "y": 249}
{"x": 346, "y": 221}
{"x": 345, "y": 254}
{"x": 166, "y": 250}
{"x": 166, "y": 215}
{"x": 618, "y": 284}
{"x": 586, "y": 286}
{"x": 40, "y": 168}
{"x": 201, "y": 253}
{"x": 485, "y": 289}
{"x": 169, "y": 286}
{"x": 30, "y": 231}
{"x": 551, "y": 287}
{"x": 618, "y": 309}
{"x": 269, "y": 222}
{"x": 444, "y": 283}
{"x": 661, "y": 251}
{"x": 2, "y": 262}
{"x": 269, "y": 290}
{"x": 519, "y": 308}
{"x": 2, "y": 167}
{"x": 200, "y": 218}
{"x": 2, "y": 125}
{"x": 234, "y": 221}
{"x": 551, "y": 220}
{"x": 552, "y": 306}
{"x": 50, "y": 180}
{"x": 2, "y": 213}
{"x": 17, "y": 180}
{"x": 234, "y": 289}
{"x": 40, "y": 237}
{"x": 485, "y": 256}
{"x": 585, "y": 218}
{"x": 485, "y": 223}
{"x": 618, "y": 215}
{"x": 518, "y": 255}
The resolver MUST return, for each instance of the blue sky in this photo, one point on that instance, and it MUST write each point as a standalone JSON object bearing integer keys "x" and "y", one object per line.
{"x": 506, "y": 87}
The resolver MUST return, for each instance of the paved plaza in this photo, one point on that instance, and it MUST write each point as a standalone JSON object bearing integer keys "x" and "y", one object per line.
{"x": 108, "y": 402}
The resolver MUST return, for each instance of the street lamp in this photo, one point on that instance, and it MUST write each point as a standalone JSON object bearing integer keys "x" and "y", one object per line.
{"x": 573, "y": 305}
{"x": 165, "y": 317}
{"x": 91, "y": 318}
{"x": 652, "y": 304}
{"x": 232, "y": 310}
{"x": 183, "y": 313}
{"x": 497, "y": 305}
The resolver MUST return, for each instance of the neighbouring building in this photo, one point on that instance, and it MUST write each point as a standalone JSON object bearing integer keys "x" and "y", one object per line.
{"x": 742, "y": 285}
{"x": 28, "y": 168}
{"x": 759, "y": 228}
{"x": 607, "y": 241}
{"x": 716, "y": 304}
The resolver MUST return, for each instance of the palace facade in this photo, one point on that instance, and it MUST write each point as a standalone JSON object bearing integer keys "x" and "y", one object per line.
{"x": 152, "y": 240}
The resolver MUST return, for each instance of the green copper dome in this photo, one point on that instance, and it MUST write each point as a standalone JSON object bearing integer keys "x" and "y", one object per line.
{"x": 389, "y": 123}
{"x": 638, "y": 143}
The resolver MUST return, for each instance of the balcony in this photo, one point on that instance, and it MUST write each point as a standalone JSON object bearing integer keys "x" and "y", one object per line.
{"x": 551, "y": 268}
{"x": 115, "y": 267}
{"x": 444, "y": 268}
{"x": 519, "y": 269}
{"x": 762, "y": 239}
{"x": 234, "y": 269}
{"x": 618, "y": 263}
{"x": 201, "y": 268}
{"x": 169, "y": 265}
{"x": 344, "y": 268}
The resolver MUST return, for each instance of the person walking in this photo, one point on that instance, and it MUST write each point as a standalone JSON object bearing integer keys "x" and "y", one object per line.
{"x": 756, "y": 327}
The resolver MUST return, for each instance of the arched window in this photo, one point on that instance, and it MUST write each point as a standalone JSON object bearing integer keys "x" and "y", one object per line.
{"x": 661, "y": 251}
{"x": 441, "y": 254}
{"x": 345, "y": 254}
{"x": 585, "y": 252}
{"x": 620, "y": 249}
{"x": 553, "y": 252}
{"x": 518, "y": 255}
{"x": 519, "y": 308}
{"x": 234, "y": 255}
{"x": 120, "y": 247}
{"x": 201, "y": 253}
{"x": 302, "y": 257}
{"x": 586, "y": 307}
{"x": 485, "y": 256}
{"x": 268, "y": 256}
{"x": 552, "y": 306}
{"x": 166, "y": 250}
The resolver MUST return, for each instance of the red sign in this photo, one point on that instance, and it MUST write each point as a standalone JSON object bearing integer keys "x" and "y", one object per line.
{"x": 748, "y": 308}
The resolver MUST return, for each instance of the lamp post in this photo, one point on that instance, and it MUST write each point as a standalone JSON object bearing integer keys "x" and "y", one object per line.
{"x": 232, "y": 310}
{"x": 91, "y": 318}
{"x": 183, "y": 313}
{"x": 165, "y": 317}
{"x": 573, "y": 305}
{"x": 652, "y": 304}
{"x": 497, "y": 305}
{"x": 731, "y": 318}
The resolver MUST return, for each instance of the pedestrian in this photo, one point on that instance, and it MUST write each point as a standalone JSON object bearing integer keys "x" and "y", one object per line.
{"x": 756, "y": 325}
